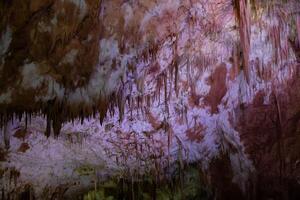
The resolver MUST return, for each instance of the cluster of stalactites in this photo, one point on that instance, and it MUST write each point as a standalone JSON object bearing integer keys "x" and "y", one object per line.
{"x": 58, "y": 112}
{"x": 286, "y": 12}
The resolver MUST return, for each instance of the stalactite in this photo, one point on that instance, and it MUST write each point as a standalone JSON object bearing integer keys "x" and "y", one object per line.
{"x": 113, "y": 101}
{"x": 186, "y": 115}
{"x": 30, "y": 117}
{"x": 275, "y": 37}
{"x": 242, "y": 9}
{"x": 170, "y": 81}
{"x": 19, "y": 115}
{"x": 121, "y": 104}
{"x": 57, "y": 124}
{"x": 176, "y": 76}
{"x": 26, "y": 120}
{"x": 81, "y": 117}
{"x": 295, "y": 42}
{"x": 159, "y": 85}
{"x": 175, "y": 65}
{"x": 188, "y": 69}
{"x": 1, "y": 121}
{"x": 166, "y": 92}
{"x": 102, "y": 109}
{"x": 236, "y": 60}
{"x": 48, "y": 126}
{"x": 298, "y": 28}
{"x": 254, "y": 6}
{"x": 148, "y": 100}
{"x": 6, "y": 137}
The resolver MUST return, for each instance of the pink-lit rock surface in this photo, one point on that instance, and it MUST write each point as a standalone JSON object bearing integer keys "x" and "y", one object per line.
{"x": 209, "y": 82}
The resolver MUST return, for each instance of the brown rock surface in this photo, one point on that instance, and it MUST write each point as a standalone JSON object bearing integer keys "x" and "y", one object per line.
{"x": 23, "y": 147}
{"x": 218, "y": 89}
{"x": 270, "y": 133}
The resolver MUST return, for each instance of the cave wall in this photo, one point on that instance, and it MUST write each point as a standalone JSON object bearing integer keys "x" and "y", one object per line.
{"x": 213, "y": 82}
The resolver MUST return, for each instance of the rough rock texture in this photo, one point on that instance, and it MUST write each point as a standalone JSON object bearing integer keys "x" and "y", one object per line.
{"x": 51, "y": 49}
{"x": 213, "y": 82}
{"x": 271, "y": 137}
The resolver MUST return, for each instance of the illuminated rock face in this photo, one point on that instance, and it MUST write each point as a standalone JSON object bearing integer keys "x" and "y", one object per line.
{"x": 210, "y": 82}
{"x": 51, "y": 48}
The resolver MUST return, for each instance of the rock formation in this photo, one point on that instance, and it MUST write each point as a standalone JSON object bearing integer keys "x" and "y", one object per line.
{"x": 95, "y": 89}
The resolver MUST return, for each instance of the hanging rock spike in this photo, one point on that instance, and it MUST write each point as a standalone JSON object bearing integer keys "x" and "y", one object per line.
{"x": 243, "y": 15}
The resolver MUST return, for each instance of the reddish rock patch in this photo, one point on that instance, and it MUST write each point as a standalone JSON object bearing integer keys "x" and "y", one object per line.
{"x": 153, "y": 121}
{"x": 259, "y": 98}
{"x": 194, "y": 98}
{"x": 20, "y": 134}
{"x": 195, "y": 134}
{"x": 218, "y": 89}
{"x": 23, "y": 147}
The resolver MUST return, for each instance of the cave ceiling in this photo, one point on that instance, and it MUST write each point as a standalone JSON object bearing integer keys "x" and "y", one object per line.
{"x": 73, "y": 59}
